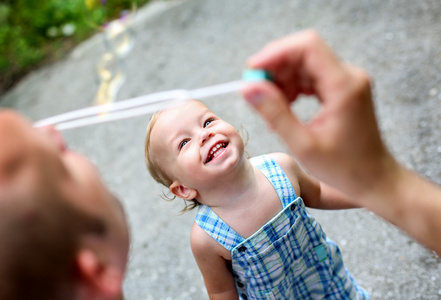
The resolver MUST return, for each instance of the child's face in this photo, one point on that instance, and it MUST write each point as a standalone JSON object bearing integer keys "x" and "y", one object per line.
{"x": 32, "y": 160}
{"x": 194, "y": 146}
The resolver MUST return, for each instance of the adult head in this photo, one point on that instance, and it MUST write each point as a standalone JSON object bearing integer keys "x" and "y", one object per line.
{"x": 64, "y": 235}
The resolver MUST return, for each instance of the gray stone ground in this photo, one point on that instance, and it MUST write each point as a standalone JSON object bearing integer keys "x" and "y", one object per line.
{"x": 194, "y": 43}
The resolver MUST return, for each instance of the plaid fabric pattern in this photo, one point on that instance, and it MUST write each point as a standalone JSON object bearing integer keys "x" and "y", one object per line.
{"x": 290, "y": 257}
{"x": 217, "y": 228}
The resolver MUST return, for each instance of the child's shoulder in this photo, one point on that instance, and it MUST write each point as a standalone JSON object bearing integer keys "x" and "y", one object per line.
{"x": 286, "y": 161}
{"x": 288, "y": 164}
{"x": 202, "y": 244}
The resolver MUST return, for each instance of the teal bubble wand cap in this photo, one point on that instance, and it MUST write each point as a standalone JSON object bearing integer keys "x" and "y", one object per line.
{"x": 256, "y": 75}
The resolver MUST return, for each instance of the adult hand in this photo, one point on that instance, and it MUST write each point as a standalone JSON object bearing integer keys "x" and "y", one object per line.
{"x": 341, "y": 145}
{"x": 343, "y": 135}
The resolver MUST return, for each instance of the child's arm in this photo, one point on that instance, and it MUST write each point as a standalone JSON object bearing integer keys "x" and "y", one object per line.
{"x": 210, "y": 257}
{"x": 314, "y": 193}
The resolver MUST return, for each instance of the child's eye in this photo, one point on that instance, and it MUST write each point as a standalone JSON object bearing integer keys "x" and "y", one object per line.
{"x": 206, "y": 123}
{"x": 182, "y": 144}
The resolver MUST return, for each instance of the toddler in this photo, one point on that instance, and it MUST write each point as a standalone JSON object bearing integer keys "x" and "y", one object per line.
{"x": 252, "y": 237}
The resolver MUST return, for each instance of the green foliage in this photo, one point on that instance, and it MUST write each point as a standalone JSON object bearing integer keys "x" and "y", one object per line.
{"x": 33, "y": 32}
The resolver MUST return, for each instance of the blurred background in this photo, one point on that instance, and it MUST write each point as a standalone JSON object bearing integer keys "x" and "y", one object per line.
{"x": 56, "y": 56}
{"x": 33, "y": 34}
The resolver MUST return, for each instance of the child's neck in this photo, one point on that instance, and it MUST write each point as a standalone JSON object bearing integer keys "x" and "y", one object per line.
{"x": 246, "y": 201}
{"x": 241, "y": 184}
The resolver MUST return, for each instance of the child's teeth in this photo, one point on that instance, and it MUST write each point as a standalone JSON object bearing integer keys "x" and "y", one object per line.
{"x": 214, "y": 151}
{"x": 215, "y": 148}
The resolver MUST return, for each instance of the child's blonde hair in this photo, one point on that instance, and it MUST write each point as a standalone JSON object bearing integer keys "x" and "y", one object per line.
{"x": 158, "y": 174}
{"x": 155, "y": 171}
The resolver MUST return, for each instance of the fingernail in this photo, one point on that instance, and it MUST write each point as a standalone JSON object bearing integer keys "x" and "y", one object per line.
{"x": 255, "y": 97}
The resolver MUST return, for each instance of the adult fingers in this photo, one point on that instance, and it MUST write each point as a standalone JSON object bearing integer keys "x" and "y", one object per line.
{"x": 275, "y": 109}
{"x": 301, "y": 63}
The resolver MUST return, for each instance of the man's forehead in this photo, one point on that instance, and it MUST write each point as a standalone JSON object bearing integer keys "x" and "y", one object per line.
{"x": 14, "y": 155}
{"x": 23, "y": 187}
{"x": 15, "y": 139}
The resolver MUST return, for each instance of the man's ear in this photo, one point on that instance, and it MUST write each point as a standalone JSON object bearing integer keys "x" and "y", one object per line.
{"x": 182, "y": 191}
{"x": 98, "y": 277}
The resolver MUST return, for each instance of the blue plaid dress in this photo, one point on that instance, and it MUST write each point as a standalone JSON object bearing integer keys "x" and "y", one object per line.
{"x": 290, "y": 257}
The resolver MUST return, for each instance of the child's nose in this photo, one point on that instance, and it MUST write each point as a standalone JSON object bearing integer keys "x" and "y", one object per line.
{"x": 205, "y": 136}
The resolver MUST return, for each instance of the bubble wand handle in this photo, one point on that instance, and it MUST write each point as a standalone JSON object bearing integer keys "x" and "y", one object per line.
{"x": 109, "y": 112}
{"x": 144, "y": 105}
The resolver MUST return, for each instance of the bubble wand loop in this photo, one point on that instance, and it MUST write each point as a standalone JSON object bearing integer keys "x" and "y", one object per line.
{"x": 146, "y": 104}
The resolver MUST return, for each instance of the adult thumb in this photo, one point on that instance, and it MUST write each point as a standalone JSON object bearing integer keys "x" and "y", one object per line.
{"x": 275, "y": 109}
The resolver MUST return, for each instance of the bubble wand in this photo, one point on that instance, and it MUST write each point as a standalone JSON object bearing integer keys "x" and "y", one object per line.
{"x": 146, "y": 104}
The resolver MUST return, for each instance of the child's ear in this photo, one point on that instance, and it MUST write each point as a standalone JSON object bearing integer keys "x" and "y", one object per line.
{"x": 97, "y": 276}
{"x": 182, "y": 191}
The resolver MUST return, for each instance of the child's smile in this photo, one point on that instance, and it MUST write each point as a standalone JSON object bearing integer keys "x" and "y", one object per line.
{"x": 216, "y": 150}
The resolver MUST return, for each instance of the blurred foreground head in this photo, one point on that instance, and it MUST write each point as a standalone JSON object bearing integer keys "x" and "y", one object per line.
{"x": 63, "y": 234}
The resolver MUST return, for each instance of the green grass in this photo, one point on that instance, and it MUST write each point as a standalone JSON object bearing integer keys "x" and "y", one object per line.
{"x": 33, "y": 33}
